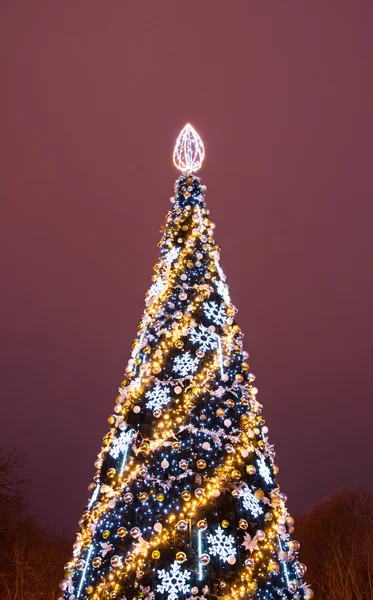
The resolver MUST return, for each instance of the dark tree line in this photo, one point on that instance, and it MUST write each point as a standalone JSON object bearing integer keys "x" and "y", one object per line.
{"x": 31, "y": 556}
{"x": 336, "y": 544}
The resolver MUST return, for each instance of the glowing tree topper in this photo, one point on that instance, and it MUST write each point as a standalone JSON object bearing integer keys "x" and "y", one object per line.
{"x": 189, "y": 151}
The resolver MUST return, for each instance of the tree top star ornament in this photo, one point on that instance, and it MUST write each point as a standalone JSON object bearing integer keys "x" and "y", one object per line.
{"x": 184, "y": 503}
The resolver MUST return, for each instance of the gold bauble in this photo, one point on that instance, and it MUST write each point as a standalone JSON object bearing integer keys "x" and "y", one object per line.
{"x": 175, "y": 446}
{"x": 129, "y": 559}
{"x": 156, "y": 554}
{"x": 201, "y": 464}
{"x": 204, "y": 559}
{"x": 97, "y": 562}
{"x": 106, "y": 534}
{"x": 180, "y": 557}
{"x": 89, "y": 589}
{"x": 251, "y": 469}
{"x": 259, "y": 494}
{"x": 156, "y": 368}
{"x": 229, "y": 403}
{"x": 273, "y": 567}
{"x": 128, "y": 497}
{"x": 294, "y": 545}
{"x": 243, "y": 524}
{"x": 189, "y": 180}
{"x": 236, "y": 474}
{"x": 275, "y": 469}
{"x": 122, "y": 532}
{"x": 225, "y": 524}
{"x": 135, "y": 532}
{"x": 160, "y": 497}
{"x": 111, "y": 420}
{"x": 220, "y": 412}
{"x": 268, "y": 516}
{"x": 202, "y": 524}
{"x": 115, "y": 561}
{"x": 199, "y": 493}
{"x": 143, "y": 497}
{"x": 186, "y": 495}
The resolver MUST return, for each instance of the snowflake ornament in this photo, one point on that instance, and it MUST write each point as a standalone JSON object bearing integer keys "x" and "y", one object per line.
{"x": 202, "y": 336}
{"x": 185, "y": 364}
{"x": 121, "y": 443}
{"x": 250, "y": 502}
{"x": 156, "y": 288}
{"x": 158, "y": 397}
{"x": 215, "y": 312}
{"x": 221, "y": 545}
{"x": 264, "y": 470}
{"x": 171, "y": 255}
{"x": 222, "y": 290}
{"x": 173, "y": 581}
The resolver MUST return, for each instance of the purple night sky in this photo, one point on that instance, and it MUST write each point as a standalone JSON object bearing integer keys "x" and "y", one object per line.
{"x": 93, "y": 96}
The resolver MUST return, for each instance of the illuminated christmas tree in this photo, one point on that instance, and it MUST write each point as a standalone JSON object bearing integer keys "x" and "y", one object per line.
{"x": 185, "y": 502}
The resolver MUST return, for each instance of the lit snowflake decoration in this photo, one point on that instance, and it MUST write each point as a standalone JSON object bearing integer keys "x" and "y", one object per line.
{"x": 185, "y": 364}
{"x": 121, "y": 443}
{"x": 215, "y": 312}
{"x": 204, "y": 338}
{"x": 156, "y": 288}
{"x": 250, "y": 502}
{"x": 171, "y": 255}
{"x": 222, "y": 290}
{"x": 158, "y": 397}
{"x": 174, "y": 581}
{"x": 264, "y": 470}
{"x": 221, "y": 545}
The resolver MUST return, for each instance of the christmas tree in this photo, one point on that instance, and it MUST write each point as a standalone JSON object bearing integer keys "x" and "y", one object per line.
{"x": 185, "y": 502}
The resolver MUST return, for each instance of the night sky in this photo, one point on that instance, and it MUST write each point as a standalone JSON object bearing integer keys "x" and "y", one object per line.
{"x": 93, "y": 95}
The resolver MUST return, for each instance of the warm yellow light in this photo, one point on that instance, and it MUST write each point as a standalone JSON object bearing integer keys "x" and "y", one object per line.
{"x": 189, "y": 151}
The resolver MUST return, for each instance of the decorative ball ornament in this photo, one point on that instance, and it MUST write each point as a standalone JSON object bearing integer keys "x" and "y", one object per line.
{"x": 115, "y": 561}
{"x": 157, "y": 527}
{"x": 301, "y": 570}
{"x": 96, "y": 562}
{"x": 225, "y": 523}
{"x": 129, "y": 559}
{"x": 273, "y": 567}
{"x": 128, "y": 497}
{"x": 194, "y": 591}
{"x": 201, "y": 464}
{"x": 216, "y": 493}
{"x": 160, "y": 497}
{"x": 202, "y": 524}
{"x": 206, "y": 446}
{"x": 308, "y": 593}
{"x": 181, "y": 557}
{"x": 135, "y": 532}
{"x": 294, "y": 545}
{"x": 244, "y": 453}
{"x": 106, "y": 534}
{"x": 165, "y": 464}
{"x": 204, "y": 559}
{"x": 156, "y": 554}
{"x": 231, "y": 559}
{"x": 183, "y": 464}
{"x": 189, "y": 151}
{"x": 136, "y": 409}
{"x": 249, "y": 563}
{"x": 182, "y": 525}
{"x": 243, "y": 524}
{"x": 292, "y": 586}
{"x": 260, "y": 535}
{"x": 157, "y": 413}
{"x": 259, "y": 494}
{"x": 186, "y": 495}
{"x": 283, "y": 556}
{"x": 250, "y": 469}
{"x": 199, "y": 493}
{"x": 80, "y": 564}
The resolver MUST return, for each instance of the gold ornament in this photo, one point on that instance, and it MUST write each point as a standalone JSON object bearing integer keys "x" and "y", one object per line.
{"x": 243, "y": 524}
{"x": 259, "y": 494}
{"x": 225, "y": 524}
{"x": 143, "y": 497}
{"x": 160, "y": 497}
{"x": 251, "y": 469}
{"x": 175, "y": 446}
{"x": 201, "y": 464}
{"x": 186, "y": 495}
{"x": 128, "y": 497}
{"x": 111, "y": 473}
{"x": 90, "y": 590}
{"x": 220, "y": 412}
{"x": 115, "y": 561}
{"x": 180, "y": 557}
{"x": 236, "y": 474}
{"x": 273, "y": 567}
{"x": 156, "y": 554}
{"x": 122, "y": 532}
{"x": 129, "y": 559}
{"x": 202, "y": 524}
{"x": 204, "y": 559}
{"x": 229, "y": 402}
{"x": 106, "y": 534}
{"x": 199, "y": 493}
{"x": 135, "y": 532}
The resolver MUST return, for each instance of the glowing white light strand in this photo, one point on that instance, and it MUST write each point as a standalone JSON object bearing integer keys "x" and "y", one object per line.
{"x": 284, "y": 563}
{"x": 94, "y": 496}
{"x": 200, "y": 571}
{"x": 84, "y": 571}
{"x": 189, "y": 151}
{"x": 220, "y": 356}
